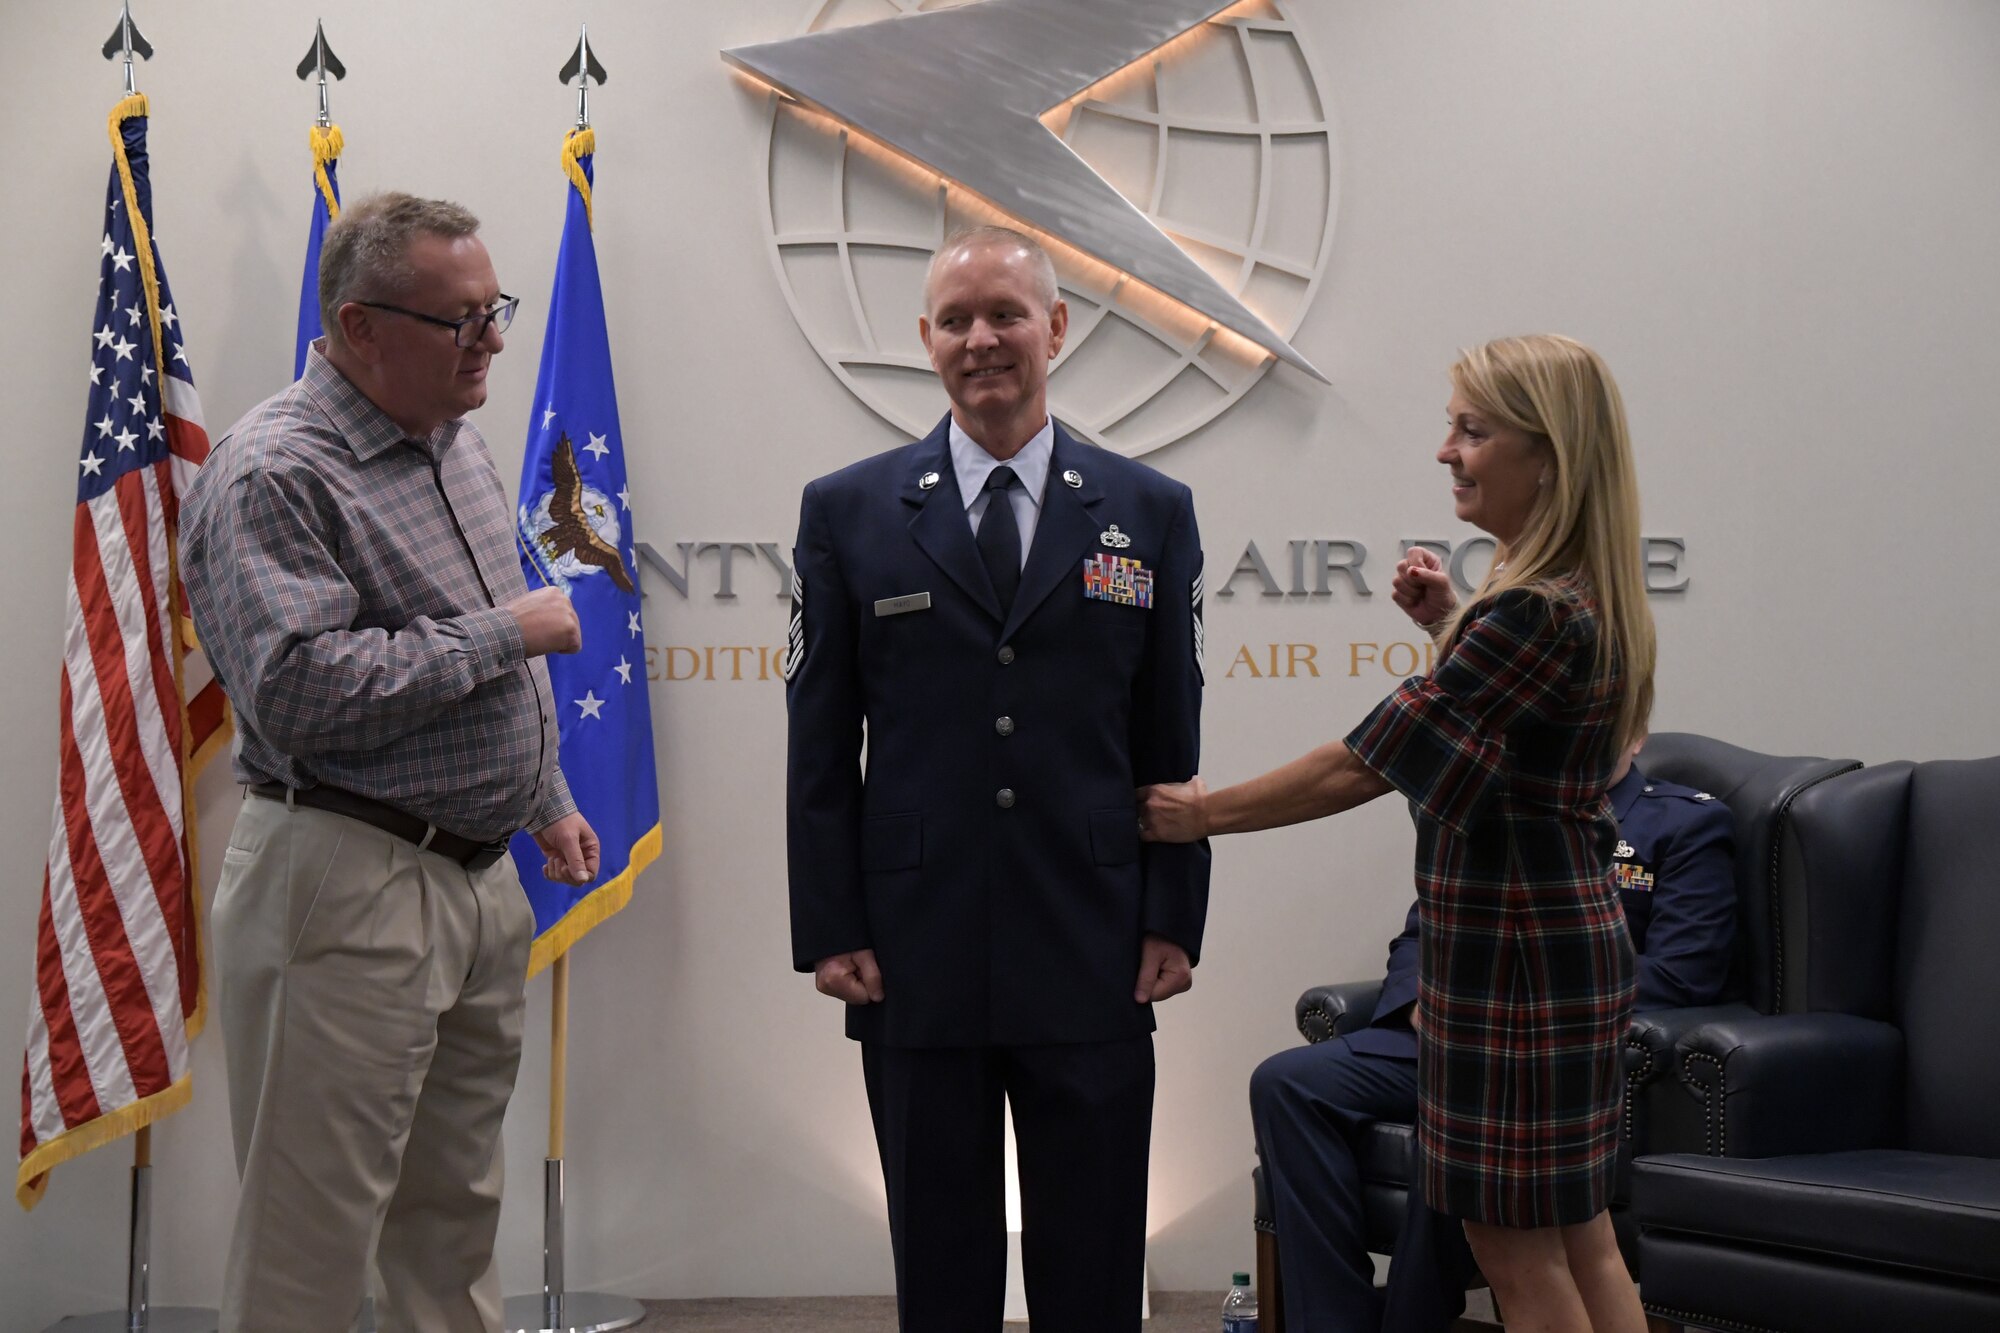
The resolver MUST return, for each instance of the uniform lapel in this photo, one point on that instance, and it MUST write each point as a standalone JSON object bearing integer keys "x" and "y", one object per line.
{"x": 940, "y": 528}
{"x": 1063, "y": 534}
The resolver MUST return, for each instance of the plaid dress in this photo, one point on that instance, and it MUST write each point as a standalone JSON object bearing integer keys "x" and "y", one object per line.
{"x": 1526, "y": 979}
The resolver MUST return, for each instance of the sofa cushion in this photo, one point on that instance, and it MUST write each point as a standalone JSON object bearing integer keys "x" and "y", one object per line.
{"x": 1925, "y": 1211}
{"x": 1387, "y": 1152}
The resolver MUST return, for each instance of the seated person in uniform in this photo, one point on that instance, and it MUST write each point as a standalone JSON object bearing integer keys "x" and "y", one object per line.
{"x": 1675, "y": 869}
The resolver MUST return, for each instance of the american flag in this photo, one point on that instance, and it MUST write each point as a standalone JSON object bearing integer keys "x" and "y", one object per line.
{"x": 117, "y": 971}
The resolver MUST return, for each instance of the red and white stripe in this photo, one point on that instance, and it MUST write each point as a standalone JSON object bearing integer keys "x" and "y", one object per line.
{"x": 117, "y": 977}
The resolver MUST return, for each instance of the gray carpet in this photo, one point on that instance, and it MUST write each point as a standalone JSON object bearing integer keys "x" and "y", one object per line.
{"x": 1173, "y": 1312}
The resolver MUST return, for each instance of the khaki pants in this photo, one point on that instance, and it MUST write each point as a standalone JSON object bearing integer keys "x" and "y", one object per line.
{"x": 370, "y": 997}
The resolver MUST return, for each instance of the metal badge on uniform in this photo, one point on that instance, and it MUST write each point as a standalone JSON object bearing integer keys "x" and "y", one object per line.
{"x": 1624, "y": 850}
{"x": 1119, "y": 579}
{"x": 896, "y": 606}
{"x": 1113, "y": 538}
{"x": 1073, "y": 479}
{"x": 928, "y": 480}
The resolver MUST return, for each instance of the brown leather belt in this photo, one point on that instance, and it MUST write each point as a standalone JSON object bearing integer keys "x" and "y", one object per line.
{"x": 472, "y": 855}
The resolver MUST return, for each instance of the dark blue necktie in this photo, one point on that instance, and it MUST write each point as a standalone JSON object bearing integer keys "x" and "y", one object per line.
{"x": 999, "y": 537}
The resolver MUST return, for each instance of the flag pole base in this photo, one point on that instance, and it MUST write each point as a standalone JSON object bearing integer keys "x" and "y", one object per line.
{"x": 579, "y": 1312}
{"x": 159, "y": 1319}
{"x": 139, "y": 1314}
{"x": 556, "y": 1309}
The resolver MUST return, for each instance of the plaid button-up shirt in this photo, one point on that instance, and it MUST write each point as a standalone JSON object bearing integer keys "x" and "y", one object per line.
{"x": 346, "y": 582}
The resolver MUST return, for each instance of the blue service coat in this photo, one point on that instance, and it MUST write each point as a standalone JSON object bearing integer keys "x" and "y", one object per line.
{"x": 1675, "y": 865}
{"x": 988, "y": 850}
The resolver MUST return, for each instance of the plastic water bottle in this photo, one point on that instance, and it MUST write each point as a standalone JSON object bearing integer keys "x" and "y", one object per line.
{"x": 1239, "y": 1307}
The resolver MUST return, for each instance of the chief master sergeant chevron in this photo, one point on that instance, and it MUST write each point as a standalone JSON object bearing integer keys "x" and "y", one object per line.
{"x": 1013, "y": 619}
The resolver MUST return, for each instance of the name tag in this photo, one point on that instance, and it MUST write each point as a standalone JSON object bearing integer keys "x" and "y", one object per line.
{"x": 896, "y": 606}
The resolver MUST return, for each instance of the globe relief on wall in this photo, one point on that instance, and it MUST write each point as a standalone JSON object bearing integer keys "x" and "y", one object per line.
{"x": 1222, "y": 138}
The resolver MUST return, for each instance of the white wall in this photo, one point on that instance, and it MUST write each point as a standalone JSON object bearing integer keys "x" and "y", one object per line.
{"x": 1774, "y": 218}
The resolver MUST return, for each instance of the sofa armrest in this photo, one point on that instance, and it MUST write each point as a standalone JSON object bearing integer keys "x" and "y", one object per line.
{"x": 1782, "y": 1084}
{"x": 1654, "y": 1033}
{"x": 1661, "y": 1115}
{"x": 1325, "y": 1012}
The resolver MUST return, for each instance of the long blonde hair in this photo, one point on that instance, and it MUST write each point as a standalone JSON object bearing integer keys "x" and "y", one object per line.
{"x": 1586, "y": 524}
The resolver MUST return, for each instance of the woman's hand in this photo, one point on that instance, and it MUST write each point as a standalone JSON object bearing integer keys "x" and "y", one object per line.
{"x": 1422, "y": 587}
{"x": 1174, "y": 811}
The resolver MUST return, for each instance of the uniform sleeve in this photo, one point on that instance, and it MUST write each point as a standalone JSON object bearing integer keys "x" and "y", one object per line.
{"x": 823, "y": 750}
{"x": 1691, "y": 937}
{"x": 1166, "y": 733}
{"x": 275, "y": 608}
{"x": 1441, "y": 739}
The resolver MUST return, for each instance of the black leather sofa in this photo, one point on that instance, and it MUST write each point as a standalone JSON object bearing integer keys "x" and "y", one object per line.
{"x": 1660, "y": 1115}
{"x": 1849, "y": 1173}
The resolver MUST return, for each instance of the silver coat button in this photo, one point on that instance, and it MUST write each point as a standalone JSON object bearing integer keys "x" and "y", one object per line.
{"x": 1004, "y": 798}
{"x": 1004, "y": 725}
{"x": 1006, "y": 654}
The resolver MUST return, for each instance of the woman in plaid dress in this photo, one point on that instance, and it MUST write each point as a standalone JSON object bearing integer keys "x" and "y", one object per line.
{"x": 1505, "y": 751}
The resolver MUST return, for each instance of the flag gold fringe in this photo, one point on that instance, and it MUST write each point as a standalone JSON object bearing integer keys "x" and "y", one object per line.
{"x": 580, "y": 143}
{"x": 31, "y": 1181}
{"x": 602, "y": 903}
{"x": 327, "y": 142}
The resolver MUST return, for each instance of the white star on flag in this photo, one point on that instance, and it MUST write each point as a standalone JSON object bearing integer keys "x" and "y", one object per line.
{"x": 590, "y": 704}
{"x": 179, "y": 353}
{"x": 624, "y": 497}
{"x": 632, "y": 622}
{"x": 167, "y": 316}
{"x": 154, "y": 430}
{"x": 123, "y": 348}
{"x": 548, "y": 415}
{"x": 597, "y": 448}
{"x": 624, "y": 670}
{"x": 138, "y": 401}
{"x": 121, "y": 260}
{"x": 104, "y": 336}
{"x": 107, "y": 242}
{"x": 96, "y": 373}
{"x": 126, "y": 439}
{"x": 145, "y": 373}
{"x": 104, "y": 426}
{"x": 93, "y": 466}
{"x": 133, "y": 313}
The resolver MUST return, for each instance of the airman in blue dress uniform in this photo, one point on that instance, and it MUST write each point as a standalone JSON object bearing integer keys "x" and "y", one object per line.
{"x": 1011, "y": 619}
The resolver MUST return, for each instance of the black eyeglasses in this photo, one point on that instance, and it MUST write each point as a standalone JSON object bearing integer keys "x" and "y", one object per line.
{"x": 464, "y": 332}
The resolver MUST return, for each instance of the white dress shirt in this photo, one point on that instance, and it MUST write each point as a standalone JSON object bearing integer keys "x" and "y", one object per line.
{"x": 972, "y": 465}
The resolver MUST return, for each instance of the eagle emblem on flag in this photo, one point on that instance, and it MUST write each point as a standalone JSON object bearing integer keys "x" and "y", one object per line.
{"x": 573, "y": 528}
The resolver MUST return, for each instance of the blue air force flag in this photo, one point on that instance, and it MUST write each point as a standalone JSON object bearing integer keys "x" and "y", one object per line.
{"x": 576, "y": 534}
{"x": 326, "y": 146}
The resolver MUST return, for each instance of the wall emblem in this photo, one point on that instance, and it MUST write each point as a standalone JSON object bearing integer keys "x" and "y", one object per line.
{"x": 1178, "y": 155}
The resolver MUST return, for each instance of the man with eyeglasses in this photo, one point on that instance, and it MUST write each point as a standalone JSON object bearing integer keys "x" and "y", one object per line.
{"x": 349, "y": 557}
